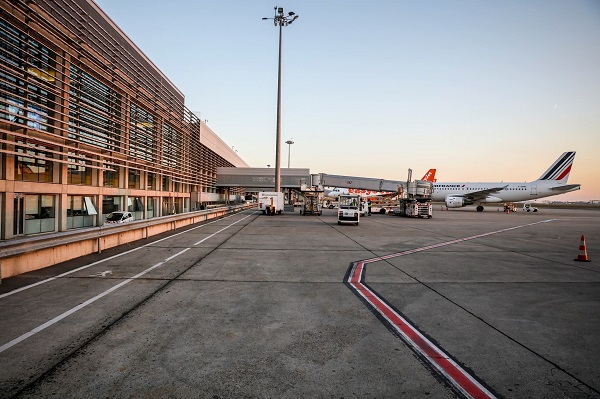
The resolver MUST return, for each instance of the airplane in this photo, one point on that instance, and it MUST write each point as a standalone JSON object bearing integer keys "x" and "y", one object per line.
{"x": 552, "y": 182}
{"x": 336, "y": 191}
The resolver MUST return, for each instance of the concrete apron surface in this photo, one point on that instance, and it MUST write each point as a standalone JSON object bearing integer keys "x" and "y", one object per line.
{"x": 466, "y": 304}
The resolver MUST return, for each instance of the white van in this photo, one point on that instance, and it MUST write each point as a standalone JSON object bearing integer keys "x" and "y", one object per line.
{"x": 270, "y": 202}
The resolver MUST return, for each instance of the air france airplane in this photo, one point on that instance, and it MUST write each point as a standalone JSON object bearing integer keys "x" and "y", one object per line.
{"x": 552, "y": 182}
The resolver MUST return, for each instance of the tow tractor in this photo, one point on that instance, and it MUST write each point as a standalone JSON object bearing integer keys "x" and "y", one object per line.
{"x": 349, "y": 209}
{"x": 528, "y": 207}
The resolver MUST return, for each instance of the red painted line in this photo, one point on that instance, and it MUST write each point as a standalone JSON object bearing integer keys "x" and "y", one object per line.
{"x": 461, "y": 380}
{"x": 454, "y": 373}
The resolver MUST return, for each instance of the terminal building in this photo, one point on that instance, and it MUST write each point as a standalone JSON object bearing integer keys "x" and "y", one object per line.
{"x": 89, "y": 125}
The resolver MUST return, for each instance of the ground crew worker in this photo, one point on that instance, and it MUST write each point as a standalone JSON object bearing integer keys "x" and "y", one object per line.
{"x": 369, "y": 204}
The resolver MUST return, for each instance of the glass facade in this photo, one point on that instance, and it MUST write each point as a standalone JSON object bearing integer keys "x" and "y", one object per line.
{"x": 34, "y": 165}
{"x": 39, "y": 214}
{"x": 110, "y": 204}
{"x": 26, "y": 101}
{"x": 135, "y": 205}
{"x": 142, "y": 134}
{"x": 80, "y": 211}
{"x": 151, "y": 183}
{"x": 151, "y": 206}
{"x": 79, "y": 170}
{"x": 111, "y": 177}
{"x": 93, "y": 113}
{"x": 135, "y": 179}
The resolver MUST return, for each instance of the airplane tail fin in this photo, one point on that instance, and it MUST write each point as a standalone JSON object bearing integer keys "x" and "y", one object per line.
{"x": 560, "y": 169}
{"x": 430, "y": 175}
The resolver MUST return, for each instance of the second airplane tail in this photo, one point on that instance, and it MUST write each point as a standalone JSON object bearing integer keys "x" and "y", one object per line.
{"x": 560, "y": 169}
{"x": 430, "y": 175}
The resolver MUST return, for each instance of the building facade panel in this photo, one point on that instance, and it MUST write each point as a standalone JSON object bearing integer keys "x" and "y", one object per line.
{"x": 88, "y": 125}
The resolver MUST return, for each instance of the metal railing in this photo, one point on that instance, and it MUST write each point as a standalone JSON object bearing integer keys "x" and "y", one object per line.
{"x": 30, "y": 245}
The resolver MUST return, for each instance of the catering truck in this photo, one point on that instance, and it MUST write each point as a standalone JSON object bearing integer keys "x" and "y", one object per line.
{"x": 416, "y": 200}
{"x": 349, "y": 209}
{"x": 270, "y": 202}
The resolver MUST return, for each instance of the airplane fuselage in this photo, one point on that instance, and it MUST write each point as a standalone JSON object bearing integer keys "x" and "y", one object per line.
{"x": 337, "y": 191}
{"x": 511, "y": 192}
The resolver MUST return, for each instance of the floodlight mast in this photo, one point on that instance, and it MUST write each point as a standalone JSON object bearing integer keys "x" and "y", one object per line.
{"x": 281, "y": 20}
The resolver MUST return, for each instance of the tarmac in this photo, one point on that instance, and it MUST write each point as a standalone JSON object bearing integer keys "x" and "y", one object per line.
{"x": 465, "y": 304}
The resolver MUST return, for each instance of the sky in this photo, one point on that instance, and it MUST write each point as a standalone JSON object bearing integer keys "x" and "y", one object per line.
{"x": 482, "y": 91}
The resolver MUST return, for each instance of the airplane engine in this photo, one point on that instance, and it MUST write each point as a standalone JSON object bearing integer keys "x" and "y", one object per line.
{"x": 455, "y": 202}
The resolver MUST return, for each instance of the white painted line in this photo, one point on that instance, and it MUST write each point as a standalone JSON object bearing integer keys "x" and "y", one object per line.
{"x": 76, "y": 308}
{"x": 58, "y": 318}
{"x": 84, "y": 304}
{"x": 101, "y": 274}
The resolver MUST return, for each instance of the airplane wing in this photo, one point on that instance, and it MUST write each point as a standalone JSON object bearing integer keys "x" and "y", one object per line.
{"x": 481, "y": 194}
{"x": 566, "y": 187}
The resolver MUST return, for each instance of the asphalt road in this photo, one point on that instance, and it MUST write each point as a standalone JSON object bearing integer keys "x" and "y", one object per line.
{"x": 254, "y": 306}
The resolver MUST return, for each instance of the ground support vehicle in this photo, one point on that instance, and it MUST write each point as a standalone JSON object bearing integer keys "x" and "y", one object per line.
{"x": 349, "y": 209}
{"x": 529, "y": 208}
{"x": 330, "y": 204}
{"x": 416, "y": 200}
{"x": 383, "y": 207}
{"x": 312, "y": 196}
{"x": 312, "y": 205}
{"x": 414, "y": 207}
{"x": 270, "y": 202}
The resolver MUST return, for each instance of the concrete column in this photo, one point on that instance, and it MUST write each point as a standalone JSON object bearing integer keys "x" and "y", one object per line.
{"x": 62, "y": 203}
{"x": 60, "y": 171}
{"x": 7, "y": 209}
{"x": 123, "y": 178}
{"x": 8, "y": 215}
{"x": 99, "y": 220}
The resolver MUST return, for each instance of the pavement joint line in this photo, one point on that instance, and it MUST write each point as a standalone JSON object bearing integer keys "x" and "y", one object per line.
{"x": 82, "y": 305}
{"x": 106, "y": 259}
{"x": 450, "y": 370}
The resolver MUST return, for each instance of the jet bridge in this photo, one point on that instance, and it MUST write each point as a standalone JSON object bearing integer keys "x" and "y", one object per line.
{"x": 360, "y": 183}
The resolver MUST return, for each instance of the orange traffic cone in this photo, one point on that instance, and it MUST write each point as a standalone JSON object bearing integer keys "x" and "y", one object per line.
{"x": 583, "y": 256}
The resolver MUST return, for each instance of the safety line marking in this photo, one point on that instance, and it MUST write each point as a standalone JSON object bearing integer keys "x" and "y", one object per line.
{"x": 450, "y": 370}
{"x": 107, "y": 259}
{"x": 69, "y": 312}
